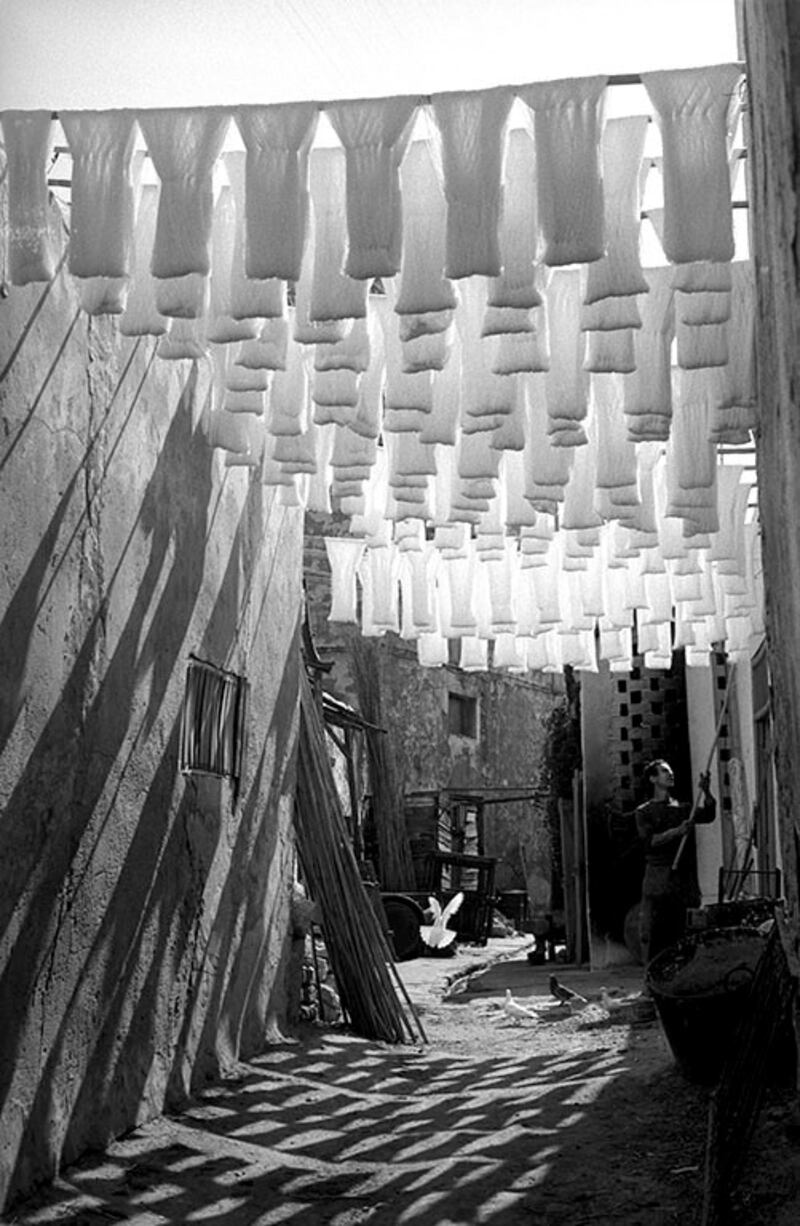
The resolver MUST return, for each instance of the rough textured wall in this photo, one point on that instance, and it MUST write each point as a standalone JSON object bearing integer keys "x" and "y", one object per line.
{"x": 143, "y": 915}
{"x": 772, "y": 45}
{"x": 512, "y": 722}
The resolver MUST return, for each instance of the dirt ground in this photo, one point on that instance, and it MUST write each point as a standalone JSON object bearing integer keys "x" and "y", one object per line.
{"x": 562, "y": 1120}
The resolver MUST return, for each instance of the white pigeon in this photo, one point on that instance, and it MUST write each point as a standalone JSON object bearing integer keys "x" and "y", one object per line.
{"x": 437, "y": 935}
{"x": 517, "y": 1012}
{"x": 612, "y": 1003}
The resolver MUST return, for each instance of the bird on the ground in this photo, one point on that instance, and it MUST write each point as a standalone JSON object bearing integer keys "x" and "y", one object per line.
{"x": 612, "y": 1003}
{"x": 517, "y": 1012}
{"x": 437, "y": 935}
{"x": 565, "y": 995}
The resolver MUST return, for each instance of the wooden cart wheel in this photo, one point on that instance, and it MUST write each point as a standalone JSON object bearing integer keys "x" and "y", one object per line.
{"x": 404, "y": 917}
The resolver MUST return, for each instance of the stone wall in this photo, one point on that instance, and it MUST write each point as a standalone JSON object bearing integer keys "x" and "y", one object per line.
{"x": 771, "y": 31}
{"x": 144, "y": 929}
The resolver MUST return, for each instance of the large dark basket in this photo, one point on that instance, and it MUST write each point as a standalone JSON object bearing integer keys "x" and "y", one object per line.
{"x": 700, "y": 988}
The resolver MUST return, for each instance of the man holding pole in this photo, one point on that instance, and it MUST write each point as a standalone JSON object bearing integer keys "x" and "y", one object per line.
{"x": 663, "y": 825}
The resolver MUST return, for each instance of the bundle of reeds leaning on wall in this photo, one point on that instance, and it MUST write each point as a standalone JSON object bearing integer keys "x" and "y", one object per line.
{"x": 355, "y": 942}
{"x": 395, "y": 865}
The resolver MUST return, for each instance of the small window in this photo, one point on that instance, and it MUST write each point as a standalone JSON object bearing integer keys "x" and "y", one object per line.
{"x": 462, "y": 714}
{"x": 212, "y": 722}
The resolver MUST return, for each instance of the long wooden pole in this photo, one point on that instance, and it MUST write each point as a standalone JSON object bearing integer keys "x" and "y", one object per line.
{"x": 696, "y": 804}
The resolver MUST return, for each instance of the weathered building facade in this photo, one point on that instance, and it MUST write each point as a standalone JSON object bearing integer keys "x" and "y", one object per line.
{"x": 771, "y": 34}
{"x": 450, "y": 729}
{"x": 145, "y": 911}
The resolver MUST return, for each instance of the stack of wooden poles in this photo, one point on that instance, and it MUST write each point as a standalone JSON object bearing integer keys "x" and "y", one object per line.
{"x": 355, "y": 942}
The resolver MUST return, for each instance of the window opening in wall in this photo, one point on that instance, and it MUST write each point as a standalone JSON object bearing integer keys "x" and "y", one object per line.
{"x": 462, "y": 712}
{"x": 213, "y": 721}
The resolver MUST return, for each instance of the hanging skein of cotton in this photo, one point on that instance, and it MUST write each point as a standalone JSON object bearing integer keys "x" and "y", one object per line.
{"x": 335, "y": 396}
{"x": 369, "y": 410}
{"x": 568, "y": 126}
{"x": 183, "y": 145}
{"x": 102, "y": 198}
{"x": 428, "y": 352}
{"x": 240, "y": 433}
{"x": 618, "y": 273}
{"x": 648, "y": 389}
{"x": 516, "y": 290}
{"x": 140, "y": 317}
{"x": 441, "y": 424}
{"x": 589, "y": 584}
{"x": 700, "y": 345}
{"x": 473, "y": 656}
{"x": 352, "y": 352}
{"x": 378, "y": 572}
{"x": 691, "y": 470}
{"x": 696, "y": 111}
{"x": 278, "y": 140}
{"x": 727, "y": 545}
{"x": 610, "y": 352}
{"x": 486, "y": 398}
{"x": 517, "y": 510}
{"x": 28, "y": 139}
{"x": 185, "y": 338}
{"x": 735, "y": 411}
{"x": 353, "y": 455}
{"x": 536, "y": 539}
{"x": 528, "y": 352}
{"x": 244, "y": 390}
{"x": 458, "y": 576}
{"x": 418, "y": 579}
{"x": 641, "y": 522}
{"x": 472, "y": 131}
{"x": 101, "y": 295}
{"x": 296, "y": 453}
{"x": 616, "y": 648}
{"x": 289, "y": 396}
{"x": 432, "y": 650}
{"x": 411, "y": 463}
{"x": 423, "y": 288}
{"x": 502, "y": 587}
{"x": 566, "y": 382}
{"x": 617, "y": 466}
{"x": 249, "y": 298}
{"x": 702, "y": 277}
{"x": 548, "y": 588}
{"x": 375, "y": 135}
{"x": 222, "y": 328}
{"x": 510, "y": 653}
{"x": 610, "y": 314}
{"x": 547, "y": 467}
{"x": 333, "y": 294}
{"x": 269, "y": 350}
{"x": 408, "y": 397}
{"x": 370, "y": 520}
{"x": 710, "y": 307}
{"x": 409, "y": 537}
{"x": 578, "y": 509}
{"x": 306, "y": 331}
{"x": 544, "y": 653}
{"x": 419, "y": 327}
{"x": 344, "y": 555}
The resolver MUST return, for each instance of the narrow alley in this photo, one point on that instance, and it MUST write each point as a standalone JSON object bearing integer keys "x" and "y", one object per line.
{"x": 400, "y": 612}
{"x": 574, "y": 1119}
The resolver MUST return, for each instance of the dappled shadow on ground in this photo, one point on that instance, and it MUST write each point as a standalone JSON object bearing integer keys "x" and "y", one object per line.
{"x": 341, "y": 1131}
